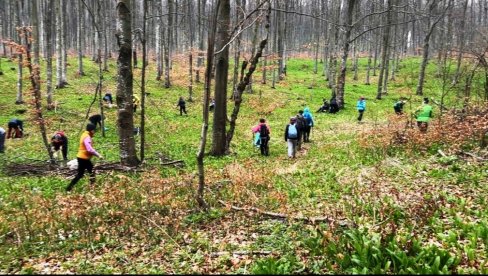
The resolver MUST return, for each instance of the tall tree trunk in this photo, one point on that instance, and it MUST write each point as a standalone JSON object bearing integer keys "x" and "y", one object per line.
{"x": 64, "y": 45}
{"x": 221, "y": 76}
{"x": 462, "y": 31}
{"x": 425, "y": 56}
{"x": 143, "y": 79}
{"x": 59, "y": 50}
{"x": 244, "y": 81}
{"x": 169, "y": 45}
{"x": 206, "y": 99}
{"x": 35, "y": 31}
{"x": 158, "y": 46}
{"x": 341, "y": 79}
{"x": 79, "y": 40}
{"x": 190, "y": 53}
{"x": 49, "y": 52}
{"x": 125, "y": 121}
{"x": 20, "y": 22}
{"x": 201, "y": 41}
{"x": 35, "y": 78}
{"x": 384, "y": 53}
{"x": 237, "y": 52}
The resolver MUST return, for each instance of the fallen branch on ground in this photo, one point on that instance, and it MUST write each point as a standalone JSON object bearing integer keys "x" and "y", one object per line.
{"x": 473, "y": 155}
{"x": 240, "y": 253}
{"x": 312, "y": 220}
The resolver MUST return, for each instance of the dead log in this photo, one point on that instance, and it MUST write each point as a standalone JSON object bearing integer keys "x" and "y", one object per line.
{"x": 241, "y": 253}
{"x": 311, "y": 220}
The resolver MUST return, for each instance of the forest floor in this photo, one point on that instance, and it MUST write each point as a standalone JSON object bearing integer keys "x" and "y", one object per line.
{"x": 351, "y": 202}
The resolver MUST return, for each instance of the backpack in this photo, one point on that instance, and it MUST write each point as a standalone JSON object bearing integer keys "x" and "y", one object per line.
{"x": 300, "y": 122}
{"x": 263, "y": 131}
{"x": 292, "y": 132}
{"x": 308, "y": 118}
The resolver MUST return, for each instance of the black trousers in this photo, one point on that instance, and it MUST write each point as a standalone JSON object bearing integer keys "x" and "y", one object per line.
{"x": 306, "y": 133}
{"x": 83, "y": 164}
{"x": 182, "y": 109}
{"x": 360, "y": 117}
{"x": 2, "y": 142}
{"x": 263, "y": 146}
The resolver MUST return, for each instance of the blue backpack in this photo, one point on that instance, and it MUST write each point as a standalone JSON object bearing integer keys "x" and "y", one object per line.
{"x": 308, "y": 118}
{"x": 292, "y": 132}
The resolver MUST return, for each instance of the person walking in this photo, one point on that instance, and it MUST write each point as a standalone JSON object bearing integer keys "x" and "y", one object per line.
{"x": 423, "y": 115}
{"x": 85, "y": 153}
{"x": 301, "y": 123}
{"x": 361, "y": 107}
{"x": 2, "y": 139}
{"x": 60, "y": 141}
{"x": 15, "y": 129}
{"x": 182, "y": 105}
{"x": 308, "y": 125}
{"x": 291, "y": 137}
{"x": 264, "y": 136}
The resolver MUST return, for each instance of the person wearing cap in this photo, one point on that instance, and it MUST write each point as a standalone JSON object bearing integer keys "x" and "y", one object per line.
{"x": 85, "y": 153}
{"x": 423, "y": 115}
{"x": 361, "y": 107}
{"x": 2, "y": 139}
{"x": 60, "y": 141}
{"x": 291, "y": 136}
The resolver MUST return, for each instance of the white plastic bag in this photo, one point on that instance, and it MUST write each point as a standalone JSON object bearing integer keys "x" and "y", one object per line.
{"x": 73, "y": 164}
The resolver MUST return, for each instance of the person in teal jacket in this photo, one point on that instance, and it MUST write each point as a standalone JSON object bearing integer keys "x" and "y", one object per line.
{"x": 423, "y": 115}
{"x": 308, "y": 124}
{"x": 361, "y": 107}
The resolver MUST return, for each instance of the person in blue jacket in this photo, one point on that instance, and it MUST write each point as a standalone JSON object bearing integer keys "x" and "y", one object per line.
{"x": 361, "y": 107}
{"x": 308, "y": 125}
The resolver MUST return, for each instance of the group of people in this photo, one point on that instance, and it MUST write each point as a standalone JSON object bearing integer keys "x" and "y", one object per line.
{"x": 297, "y": 131}
{"x": 327, "y": 107}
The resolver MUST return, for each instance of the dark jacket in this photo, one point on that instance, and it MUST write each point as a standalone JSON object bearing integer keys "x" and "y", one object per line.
{"x": 286, "y": 133}
{"x": 181, "y": 103}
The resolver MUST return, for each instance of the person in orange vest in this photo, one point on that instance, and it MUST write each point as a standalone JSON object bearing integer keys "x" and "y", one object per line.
{"x": 85, "y": 153}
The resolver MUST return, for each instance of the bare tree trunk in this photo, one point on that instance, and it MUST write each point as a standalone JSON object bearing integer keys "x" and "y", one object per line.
{"x": 237, "y": 52}
{"x": 341, "y": 79}
{"x": 159, "y": 61}
{"x": 169, "y": 45}
{"x": 79, "y": 33}
{"x": 384, "y": 53}
{"x": 221, "y": 76}
{"x": 143, "y": 80}
{"x": 19, "y": 19}
{"x": 59, "y": 51}
{"x": 35, "y": 31}
{"x": 49, "y": 53}
{"x": 244, "y": 81}
{"x": 35, "y": 79}
{"x": 125, "y": 121}
{"x": 462, "y": 30}
{"x": 425, "y": 56}
{"x": 190, "y": 54}
{"x": 64, "y": 45}
{"x": 206, "y": 99}
{"x": 201, "y": 13}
